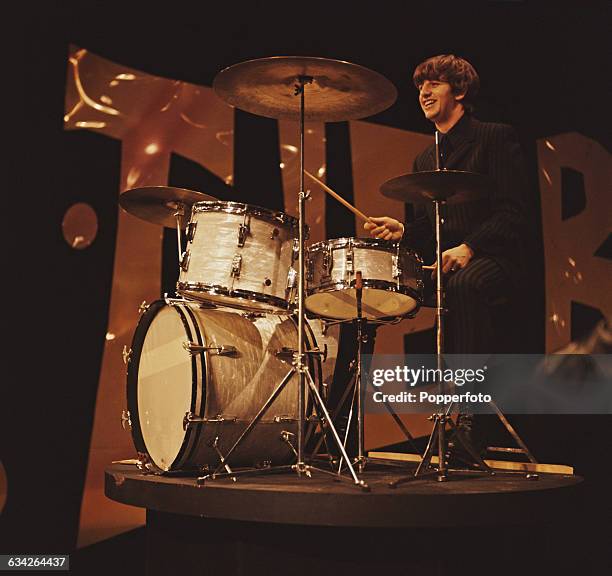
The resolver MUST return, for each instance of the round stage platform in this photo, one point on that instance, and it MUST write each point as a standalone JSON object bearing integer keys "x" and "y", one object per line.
{"x": 465, "y": 499}
{"x": 282, "y": 524}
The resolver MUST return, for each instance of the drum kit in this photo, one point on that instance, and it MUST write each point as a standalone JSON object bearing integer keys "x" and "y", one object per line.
{"x": 233, "y": 375}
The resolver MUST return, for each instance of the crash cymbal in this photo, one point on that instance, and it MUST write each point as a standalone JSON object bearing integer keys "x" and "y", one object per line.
{"x": 158, "y": 204}
{"x": 339, "y": 90}
{"x": 452, "y": 186}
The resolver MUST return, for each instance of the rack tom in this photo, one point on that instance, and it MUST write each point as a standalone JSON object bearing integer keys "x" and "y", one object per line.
{"x": 240, "y": 255}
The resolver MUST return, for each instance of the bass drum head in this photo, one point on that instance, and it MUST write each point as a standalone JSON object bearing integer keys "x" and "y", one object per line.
{"x": 161, "y": 384}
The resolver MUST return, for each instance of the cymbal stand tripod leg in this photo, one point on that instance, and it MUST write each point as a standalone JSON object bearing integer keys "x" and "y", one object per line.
{"x": 223, "y": 459}
{"x": 441, "y": 418}
{"x": 337, "y": 410}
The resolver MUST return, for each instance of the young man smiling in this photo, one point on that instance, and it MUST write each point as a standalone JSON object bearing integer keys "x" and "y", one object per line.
{"x": 481, "y": 259}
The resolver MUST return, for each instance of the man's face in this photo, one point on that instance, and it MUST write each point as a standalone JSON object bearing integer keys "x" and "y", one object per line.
{"x": 437, "y": 100}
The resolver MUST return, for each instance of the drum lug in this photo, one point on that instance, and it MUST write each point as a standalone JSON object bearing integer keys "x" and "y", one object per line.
{"x": 285, "y": 353}
{"x": 126, "y": 354}
{"x": 222, "y": 350}
{"x": 279, "y": 419}
{"x": 396, "y": 271}
{"x": 243, "y": 231}
{"x": 191, "y": 419}
{"x": 310, "y": 270}
{"x": 185, "y": 260}
{"x": 349, "y": 259}
{"x": 291, "y": 278}
{"x": 143, "y": 307}
{"x": 126, "y": 422}
{"x": 236, "y": 266}
{"x": 274, "y": 234}
{"x": 328, "y": 261}
{"x": 191, "y": 230}
{"x": 296, "y": 250}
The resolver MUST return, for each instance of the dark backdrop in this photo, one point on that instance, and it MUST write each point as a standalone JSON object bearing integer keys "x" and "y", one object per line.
{"x": 543, "y": 69}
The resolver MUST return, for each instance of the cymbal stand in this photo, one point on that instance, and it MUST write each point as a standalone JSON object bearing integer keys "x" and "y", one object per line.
{"x": 301, "y": 467}
{"x": 442, "y": 417}
{"x": 299, "y": 366}
{"x": 180, "y": 212}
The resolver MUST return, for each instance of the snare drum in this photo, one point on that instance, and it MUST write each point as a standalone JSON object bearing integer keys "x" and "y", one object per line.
{"x": 240, "y": 255}
{"x": 391, "y": 277}
{"x": 199, "y": 375}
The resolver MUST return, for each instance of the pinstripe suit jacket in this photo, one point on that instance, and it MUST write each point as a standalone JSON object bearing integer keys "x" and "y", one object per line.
{"x": 492, "y": 226}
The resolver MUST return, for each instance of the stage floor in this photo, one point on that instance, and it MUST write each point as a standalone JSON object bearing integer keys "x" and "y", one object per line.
{"x": 465, "y": 499}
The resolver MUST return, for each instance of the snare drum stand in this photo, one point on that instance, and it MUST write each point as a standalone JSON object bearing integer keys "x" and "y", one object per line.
{"x": 359, "y": 391}
{"x": 299, "y": 366}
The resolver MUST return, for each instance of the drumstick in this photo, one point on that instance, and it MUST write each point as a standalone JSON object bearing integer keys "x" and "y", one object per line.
{"x": 340, "y": 199}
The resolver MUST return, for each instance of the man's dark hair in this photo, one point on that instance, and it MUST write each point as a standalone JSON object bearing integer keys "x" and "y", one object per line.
{"x": 459, "y": 73}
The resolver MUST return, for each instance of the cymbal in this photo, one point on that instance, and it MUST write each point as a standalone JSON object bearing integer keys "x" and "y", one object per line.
{"x": 339, "y": 90}
{"x": 452, "y": 186}
{"x": 159, "y": 204}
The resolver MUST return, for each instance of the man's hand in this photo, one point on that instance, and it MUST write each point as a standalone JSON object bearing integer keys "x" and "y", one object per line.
{"x": 385, "y": 228}
{"x": 454, "y": 259}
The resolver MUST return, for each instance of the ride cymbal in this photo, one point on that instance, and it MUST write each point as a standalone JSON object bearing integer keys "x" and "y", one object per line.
{"x": 337, "y": 91}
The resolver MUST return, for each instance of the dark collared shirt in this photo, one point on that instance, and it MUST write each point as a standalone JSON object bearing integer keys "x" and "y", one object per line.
{"x": 450, "y": 141}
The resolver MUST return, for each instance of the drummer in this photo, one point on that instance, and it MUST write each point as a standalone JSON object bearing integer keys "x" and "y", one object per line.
{"x": 481, "y": 257}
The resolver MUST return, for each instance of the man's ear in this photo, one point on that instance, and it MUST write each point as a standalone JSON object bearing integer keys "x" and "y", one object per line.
{"x": 459, "y": 97}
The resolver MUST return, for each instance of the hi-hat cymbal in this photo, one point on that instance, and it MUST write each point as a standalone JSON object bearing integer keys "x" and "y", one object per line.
{"x": 339, "y": 90}
{"x": 159, "y": 204}
{"x": 452, "y": 186}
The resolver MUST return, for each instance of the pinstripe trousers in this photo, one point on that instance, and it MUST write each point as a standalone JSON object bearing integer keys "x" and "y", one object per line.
{"x": 473, "y": 296}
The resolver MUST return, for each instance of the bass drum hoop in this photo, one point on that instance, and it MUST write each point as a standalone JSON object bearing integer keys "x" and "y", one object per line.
{"x": 198, "y": 366}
